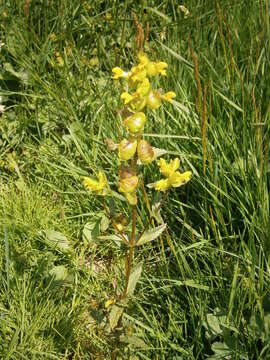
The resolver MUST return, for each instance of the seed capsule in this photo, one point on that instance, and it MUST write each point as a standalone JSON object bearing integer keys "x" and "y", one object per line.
{"x": 145, "y": 152}
{"x": 127, "y": 149}
{"x": 135, "y": 122}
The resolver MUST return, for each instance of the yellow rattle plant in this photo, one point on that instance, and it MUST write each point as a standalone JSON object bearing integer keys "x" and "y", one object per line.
{"x": 133, "y": 152}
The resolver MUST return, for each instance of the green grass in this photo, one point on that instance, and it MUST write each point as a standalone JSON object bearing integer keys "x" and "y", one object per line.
{"x": 204, "y": 292}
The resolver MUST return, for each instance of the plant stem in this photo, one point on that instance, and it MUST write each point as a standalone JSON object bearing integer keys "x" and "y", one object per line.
{"x": 130, "y": 252}
{"x": 113, "y": 223}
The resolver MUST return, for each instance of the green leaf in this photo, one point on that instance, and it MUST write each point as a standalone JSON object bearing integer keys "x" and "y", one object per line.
{"x": 91, "y": 231}
{"x": 104, "y": 223}
{"x": 213, "y": 324}
{"x": 59, "y": 273}
{"x": 114, "y": 315}
{"x": 56, "y": 240}
{"x": 133, "y": 279}
{"x": 113, "y": 237}
{"x": 151, "y": 235}
{"x": 133, "y": 340}
{"x": 22, "y": 75}
{"x": 156, "y": 208}
{"x": 159, "y": 13}
{"x": 221, "y": 350}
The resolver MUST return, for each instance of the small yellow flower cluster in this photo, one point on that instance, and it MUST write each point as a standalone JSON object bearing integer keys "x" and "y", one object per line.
{"x": 142, "y": 94}
{"x": 138, "y": 95}
{"x": 133, "y": 147}
{"x": 173, "y": 177}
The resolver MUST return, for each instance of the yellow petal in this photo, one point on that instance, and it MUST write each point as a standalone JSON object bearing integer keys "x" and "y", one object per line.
{"x": 169, "y": 96}
{"x": 94, "y": 185}
{"x": 168, "y": 169}
{"x": 143, "y": 58}
{"x": 126, "y": 97}
{"x": 117, "y": 72}
{"x": 162, "y": 185}
{"x": 102, "y": 180}
{"x": 89, "y": 183}
{"x": 143, "y": 88}
{"x": 138, "y": 74}
{"x": 109, "y": 302}
{"x": 177, "y": 179}
{"x": 161, "y": 67}
{"x": 152, "y": 69}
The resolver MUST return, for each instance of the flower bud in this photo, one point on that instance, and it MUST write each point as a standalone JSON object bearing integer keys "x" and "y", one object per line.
{"x": 145, "y": 152}
{"x": 154, "y": 100}
{"x": 135, "y": 122}
{"x": 127, "y": 149}
{"x": 120, "y": 222}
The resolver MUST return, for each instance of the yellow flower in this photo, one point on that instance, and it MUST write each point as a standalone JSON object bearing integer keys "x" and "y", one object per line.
{"x": 127, "y": 149}
{"x": 53, "y": 37}
{"x": 155, "y": 68}
{"x": 173, "y": 178}
{"x": 168, "y": 169}
{"x": 143, "y": 58}
{"x": 94, "y": 185}
{"x": 143, "y": 88}
{"x": 59, "y": 59}
{"x": 126, "y": 97}
{"x": 135, "y": 122}
{"x": 109, "y": 302}
{"x": 94, "y": 61}
{"x": 152, "y": 68}
{"x": 169, "y": 96}
{"x": 162, "y": 185}
{"x": 108, "y": 16}
{"x": 138, "y": 73}
{"x": 161, "y": 67}
{"x": 177, "y": 179}
{"x": 119, "y": 73}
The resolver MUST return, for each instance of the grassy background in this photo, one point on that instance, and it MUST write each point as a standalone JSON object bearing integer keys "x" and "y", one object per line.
{"x": 205, "y": 286}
